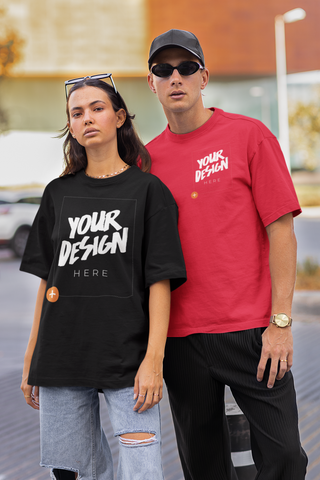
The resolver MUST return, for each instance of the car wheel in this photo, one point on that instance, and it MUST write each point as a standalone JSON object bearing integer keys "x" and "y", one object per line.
{"x": 19, "y": 241}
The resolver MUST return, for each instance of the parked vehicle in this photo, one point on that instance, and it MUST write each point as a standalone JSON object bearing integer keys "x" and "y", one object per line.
{"x": 17, "y": 212}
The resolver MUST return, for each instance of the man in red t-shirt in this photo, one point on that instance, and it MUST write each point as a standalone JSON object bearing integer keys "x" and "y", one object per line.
{"x": 231, "y": 321}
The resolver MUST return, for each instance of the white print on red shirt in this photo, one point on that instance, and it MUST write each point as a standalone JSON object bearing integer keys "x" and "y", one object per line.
{"x": 99, "y": 245}
{"x": 210, "y": 164}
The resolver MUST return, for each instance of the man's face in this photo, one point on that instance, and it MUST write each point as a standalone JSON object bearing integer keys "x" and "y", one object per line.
{"x": 178, "y": 93}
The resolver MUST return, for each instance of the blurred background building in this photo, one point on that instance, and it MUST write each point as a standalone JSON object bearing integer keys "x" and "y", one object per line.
{"x": 56, "y": 40}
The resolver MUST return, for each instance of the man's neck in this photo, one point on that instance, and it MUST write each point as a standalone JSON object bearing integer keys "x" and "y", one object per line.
{"x": 186, "y": 122}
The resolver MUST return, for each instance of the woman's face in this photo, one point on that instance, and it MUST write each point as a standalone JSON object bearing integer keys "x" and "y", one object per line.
{"x": 92, "y": 119}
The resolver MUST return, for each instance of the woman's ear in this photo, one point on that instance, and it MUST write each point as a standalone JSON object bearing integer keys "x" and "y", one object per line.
{"x": 70, "y": 129}
{"x": 121, "y": 114}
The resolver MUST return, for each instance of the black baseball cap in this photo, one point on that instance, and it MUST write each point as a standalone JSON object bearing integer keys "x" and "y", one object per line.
{"x": 176, "y": 38}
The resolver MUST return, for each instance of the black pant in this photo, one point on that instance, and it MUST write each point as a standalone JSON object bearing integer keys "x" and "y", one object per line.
{"x": 64, "y": 474}
{"x": 196, "y": 370}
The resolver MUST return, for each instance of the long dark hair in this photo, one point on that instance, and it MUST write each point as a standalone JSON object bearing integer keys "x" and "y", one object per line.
{"x": 130, "y": 147}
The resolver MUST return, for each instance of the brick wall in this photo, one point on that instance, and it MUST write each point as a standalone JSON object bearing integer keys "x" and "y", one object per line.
{"x": 237, "y": 36}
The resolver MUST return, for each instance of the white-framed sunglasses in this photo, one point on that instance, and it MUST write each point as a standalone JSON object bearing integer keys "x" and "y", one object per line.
{"x": 100, "y": 76}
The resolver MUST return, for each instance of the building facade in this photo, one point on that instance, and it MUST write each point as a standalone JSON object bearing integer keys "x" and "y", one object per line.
{"x": 65, "y": 39}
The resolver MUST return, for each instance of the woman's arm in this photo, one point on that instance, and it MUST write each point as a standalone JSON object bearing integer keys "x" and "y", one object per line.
{"x": 149, "y": 379}
{"x": 32, "y": 398}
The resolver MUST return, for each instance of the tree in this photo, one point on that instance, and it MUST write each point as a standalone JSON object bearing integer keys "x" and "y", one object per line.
{"x": 10, "y": 53}
{"x": 304, "y": 121}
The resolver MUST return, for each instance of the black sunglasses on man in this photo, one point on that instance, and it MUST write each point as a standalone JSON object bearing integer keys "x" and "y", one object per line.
{"x": 185, "y": 69}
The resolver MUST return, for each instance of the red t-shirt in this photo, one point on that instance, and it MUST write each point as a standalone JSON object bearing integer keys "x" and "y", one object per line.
{"x": 230, "y": 180}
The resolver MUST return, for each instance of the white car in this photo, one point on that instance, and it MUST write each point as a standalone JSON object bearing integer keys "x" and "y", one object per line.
{"x": 17, "y": 212}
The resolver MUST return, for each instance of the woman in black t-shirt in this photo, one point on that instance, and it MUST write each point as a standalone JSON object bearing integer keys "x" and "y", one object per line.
{"x": 106, "y": 247}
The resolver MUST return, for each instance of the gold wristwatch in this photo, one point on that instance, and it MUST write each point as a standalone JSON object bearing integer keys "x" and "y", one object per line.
{"x": 281, "y": 320}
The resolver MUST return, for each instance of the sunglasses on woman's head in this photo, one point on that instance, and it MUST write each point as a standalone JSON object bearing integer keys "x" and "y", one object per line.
{"x": 73, "y": 81}
{"x": 185, "y": 69}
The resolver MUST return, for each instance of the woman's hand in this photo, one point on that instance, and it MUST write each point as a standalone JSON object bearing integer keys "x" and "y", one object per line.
{"x": 31, "y": 394}
{"x": 148, "y": 384}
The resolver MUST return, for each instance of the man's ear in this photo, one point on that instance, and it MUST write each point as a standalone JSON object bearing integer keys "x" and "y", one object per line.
{"x": 204, "y": 78}
{"x": 150, "y": 83}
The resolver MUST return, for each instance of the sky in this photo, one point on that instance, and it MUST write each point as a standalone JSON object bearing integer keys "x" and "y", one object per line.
{"x": 29, "y": 157}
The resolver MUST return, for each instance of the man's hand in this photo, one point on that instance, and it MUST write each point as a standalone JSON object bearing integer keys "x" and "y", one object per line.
{"x": 277, "y": 344}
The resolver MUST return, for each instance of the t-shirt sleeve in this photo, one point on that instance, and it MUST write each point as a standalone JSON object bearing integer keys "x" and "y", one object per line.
{"x": 163, "y": 253}
{"x": 272, "y": 186}
{"x": 39, "y": 252}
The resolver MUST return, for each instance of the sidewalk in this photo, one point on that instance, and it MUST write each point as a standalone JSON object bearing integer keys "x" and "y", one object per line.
{"x": 306, "y": 306}
{"x": 19, "y": 424}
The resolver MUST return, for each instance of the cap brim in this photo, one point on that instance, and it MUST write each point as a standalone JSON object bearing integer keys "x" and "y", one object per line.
{"x": 175, "y": 45}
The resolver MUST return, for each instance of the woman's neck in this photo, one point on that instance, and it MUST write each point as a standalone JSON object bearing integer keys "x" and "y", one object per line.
{"x": 103, "y": 163}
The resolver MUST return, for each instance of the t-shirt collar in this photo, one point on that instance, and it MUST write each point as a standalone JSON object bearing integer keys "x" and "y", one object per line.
{"x": 208, "y": 125}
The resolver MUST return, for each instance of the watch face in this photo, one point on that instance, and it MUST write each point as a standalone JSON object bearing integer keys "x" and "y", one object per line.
{"x": 282, "y": 319}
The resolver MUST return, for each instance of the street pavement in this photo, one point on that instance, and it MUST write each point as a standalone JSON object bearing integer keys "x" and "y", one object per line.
{"x": 19, "y": 424}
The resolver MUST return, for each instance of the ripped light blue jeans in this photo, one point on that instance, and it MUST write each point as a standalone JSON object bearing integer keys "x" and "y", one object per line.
{"x": 72, "y": 437}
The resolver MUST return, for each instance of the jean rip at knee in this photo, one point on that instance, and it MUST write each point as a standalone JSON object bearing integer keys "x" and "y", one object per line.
{"x": 137, "y": 439}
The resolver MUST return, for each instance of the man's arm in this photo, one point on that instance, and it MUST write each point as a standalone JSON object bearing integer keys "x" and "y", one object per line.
{"x": 277, "y": 343}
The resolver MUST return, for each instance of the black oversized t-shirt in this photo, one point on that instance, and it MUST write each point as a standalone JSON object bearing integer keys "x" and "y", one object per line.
{"x": 100, "y": 243}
